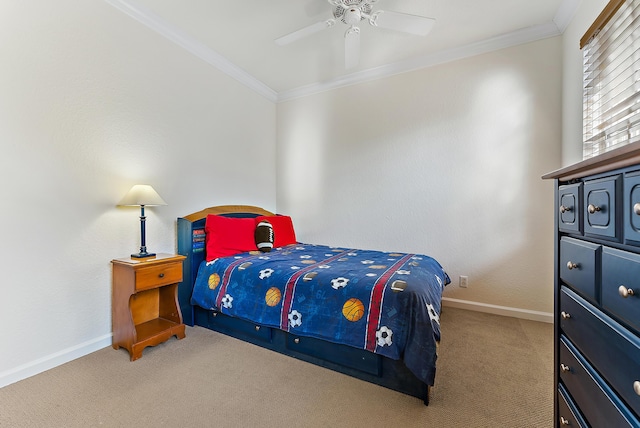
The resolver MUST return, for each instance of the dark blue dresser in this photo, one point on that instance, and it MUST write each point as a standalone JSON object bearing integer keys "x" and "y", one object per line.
{"x": 597, "y": 291}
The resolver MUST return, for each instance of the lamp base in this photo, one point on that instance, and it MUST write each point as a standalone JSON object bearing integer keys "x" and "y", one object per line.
{"x": 142, "y": 255}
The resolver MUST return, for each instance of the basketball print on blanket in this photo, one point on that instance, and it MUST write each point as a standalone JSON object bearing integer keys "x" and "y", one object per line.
{"x": 353, "y": 309}
{"x": 273, "y": 296}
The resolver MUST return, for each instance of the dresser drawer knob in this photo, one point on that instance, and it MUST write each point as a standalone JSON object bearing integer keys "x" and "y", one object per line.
{"x": 636, "y": 387}
{"x": 161, "y": 275}
{"x": 564, "y": 422}
{"x": 565, "y": 368}
{"x": 565, "y": 315}
{"x": 564, "y": 209}
{"x": 257, "y": 328}
{"x": 296, "y": 340}
{"x": 571, "y": 265}
{"x": 593, "y": 209}
{"x": 625, "y": 292}
{"x": 636, "y": 208}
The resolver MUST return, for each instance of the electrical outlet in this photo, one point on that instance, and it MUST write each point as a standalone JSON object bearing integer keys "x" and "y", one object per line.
{"x": 464, "y": 281}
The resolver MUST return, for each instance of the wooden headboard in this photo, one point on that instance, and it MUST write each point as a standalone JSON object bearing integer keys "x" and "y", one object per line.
{"x": 191, "y": 244}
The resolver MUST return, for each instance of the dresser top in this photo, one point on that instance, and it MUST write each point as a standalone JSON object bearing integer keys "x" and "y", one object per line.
{"x": 619, "y": 158}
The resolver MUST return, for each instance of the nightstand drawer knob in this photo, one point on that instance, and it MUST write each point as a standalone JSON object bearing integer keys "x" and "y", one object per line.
{"x": 564, "y": 422}
{"x": 636, "y": 208}
{"x": 593, "y": 209}
{"x": 296, "y": 340}
{"x": 565, "y": 315}
{"x": 625, "y": 292}
{"x": 564, "y": 209}
{"x": 565, "y": 368}
{"x": 257, "y": 328}
{"x": 636, "y": 387}
{"x": 161, "y": 275}
{"x": 571, "y": 265}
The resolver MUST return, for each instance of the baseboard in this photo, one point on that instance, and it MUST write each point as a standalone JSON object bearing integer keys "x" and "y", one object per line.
{"x": 498, "y": 310}
{"x": 50, "y": 361}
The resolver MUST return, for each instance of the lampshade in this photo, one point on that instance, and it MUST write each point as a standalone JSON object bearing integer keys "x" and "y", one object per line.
{"x": 142, "y": 194}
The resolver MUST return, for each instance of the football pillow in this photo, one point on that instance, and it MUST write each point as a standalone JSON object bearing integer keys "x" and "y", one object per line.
{"x": 283, "y": 232}
{"x": 264, "y": 236}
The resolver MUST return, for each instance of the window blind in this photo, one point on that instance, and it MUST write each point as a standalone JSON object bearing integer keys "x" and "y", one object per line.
{"x": 611, "y": 78}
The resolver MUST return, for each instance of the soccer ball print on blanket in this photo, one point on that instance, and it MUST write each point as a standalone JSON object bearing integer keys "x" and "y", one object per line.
{"x": 354, "y": 297}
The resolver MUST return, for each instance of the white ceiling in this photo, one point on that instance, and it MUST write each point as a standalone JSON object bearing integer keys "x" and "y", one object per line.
{"x": 238, "y": 36}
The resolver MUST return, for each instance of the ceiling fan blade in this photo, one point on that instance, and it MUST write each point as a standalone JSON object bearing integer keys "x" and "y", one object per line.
{"x": 352, "y": 47}
{"x": 413, "y": 24}
{"x": 304, "y": 32}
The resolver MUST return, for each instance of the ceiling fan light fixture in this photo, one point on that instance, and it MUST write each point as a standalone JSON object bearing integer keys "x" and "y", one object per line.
{"x": 352, "y": 16}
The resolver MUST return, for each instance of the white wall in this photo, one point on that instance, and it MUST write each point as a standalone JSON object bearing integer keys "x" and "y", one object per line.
{"x": 587, "y": 12}
{"x": 91, "y": 103}
{"x": 444, "y": 161}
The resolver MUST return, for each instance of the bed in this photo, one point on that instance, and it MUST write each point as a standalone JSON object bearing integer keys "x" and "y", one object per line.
{"x": 368, "y": 314}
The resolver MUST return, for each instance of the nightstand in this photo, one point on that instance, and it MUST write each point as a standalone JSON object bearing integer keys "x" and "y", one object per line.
{"x": 145, "y": 310}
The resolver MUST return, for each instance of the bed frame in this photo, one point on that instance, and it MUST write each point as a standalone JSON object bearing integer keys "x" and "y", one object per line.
{"x": 355, "y": 362}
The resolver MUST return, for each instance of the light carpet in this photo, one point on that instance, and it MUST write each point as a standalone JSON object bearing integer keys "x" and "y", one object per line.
{"x": 493, "y": 371}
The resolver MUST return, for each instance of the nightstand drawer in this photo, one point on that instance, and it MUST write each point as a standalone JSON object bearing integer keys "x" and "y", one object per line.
{"x": 580, "y": 266}
{"x": 612, "y": 350}
{"x": 621, "y": 285}
{"x": 158, "y": 275}
{"x": 597, "y": 402}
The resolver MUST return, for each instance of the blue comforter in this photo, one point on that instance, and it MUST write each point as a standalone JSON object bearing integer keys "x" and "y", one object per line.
{"x": 387, "y": 303}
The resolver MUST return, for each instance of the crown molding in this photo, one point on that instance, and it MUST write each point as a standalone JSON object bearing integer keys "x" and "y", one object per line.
{"x": 565, "y": 13}
{"x": 514, "y": 38}
{"x": 563, "y": 17}
{"x": 154, "y": 22}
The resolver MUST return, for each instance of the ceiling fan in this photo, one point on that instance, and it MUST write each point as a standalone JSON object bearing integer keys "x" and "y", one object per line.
{"x": 351, "y": 12}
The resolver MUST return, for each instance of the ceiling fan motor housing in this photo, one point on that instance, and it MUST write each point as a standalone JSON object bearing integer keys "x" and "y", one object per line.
{"x": 352, "y": 11}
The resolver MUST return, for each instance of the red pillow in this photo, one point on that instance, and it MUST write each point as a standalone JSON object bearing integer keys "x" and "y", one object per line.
{"x": 283, "y": 233}
{"x": 228, "y": 236}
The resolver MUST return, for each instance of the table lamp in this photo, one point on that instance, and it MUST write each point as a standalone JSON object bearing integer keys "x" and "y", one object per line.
{"x": 142, "y": 194}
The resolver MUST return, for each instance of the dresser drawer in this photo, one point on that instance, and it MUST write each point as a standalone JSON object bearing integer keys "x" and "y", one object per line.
{"x": 600, "y": 207}
{"x": 611, "y": 349}
{"x": 580, "y": 266}
{"x": 621, "y": 285}
{"x": 596, "y": 401}
{"x": 158, "y": 275}
{"x": 568, "y": 414}
{"x": 631, "y": 208}
{"x": 569, "y": 211}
